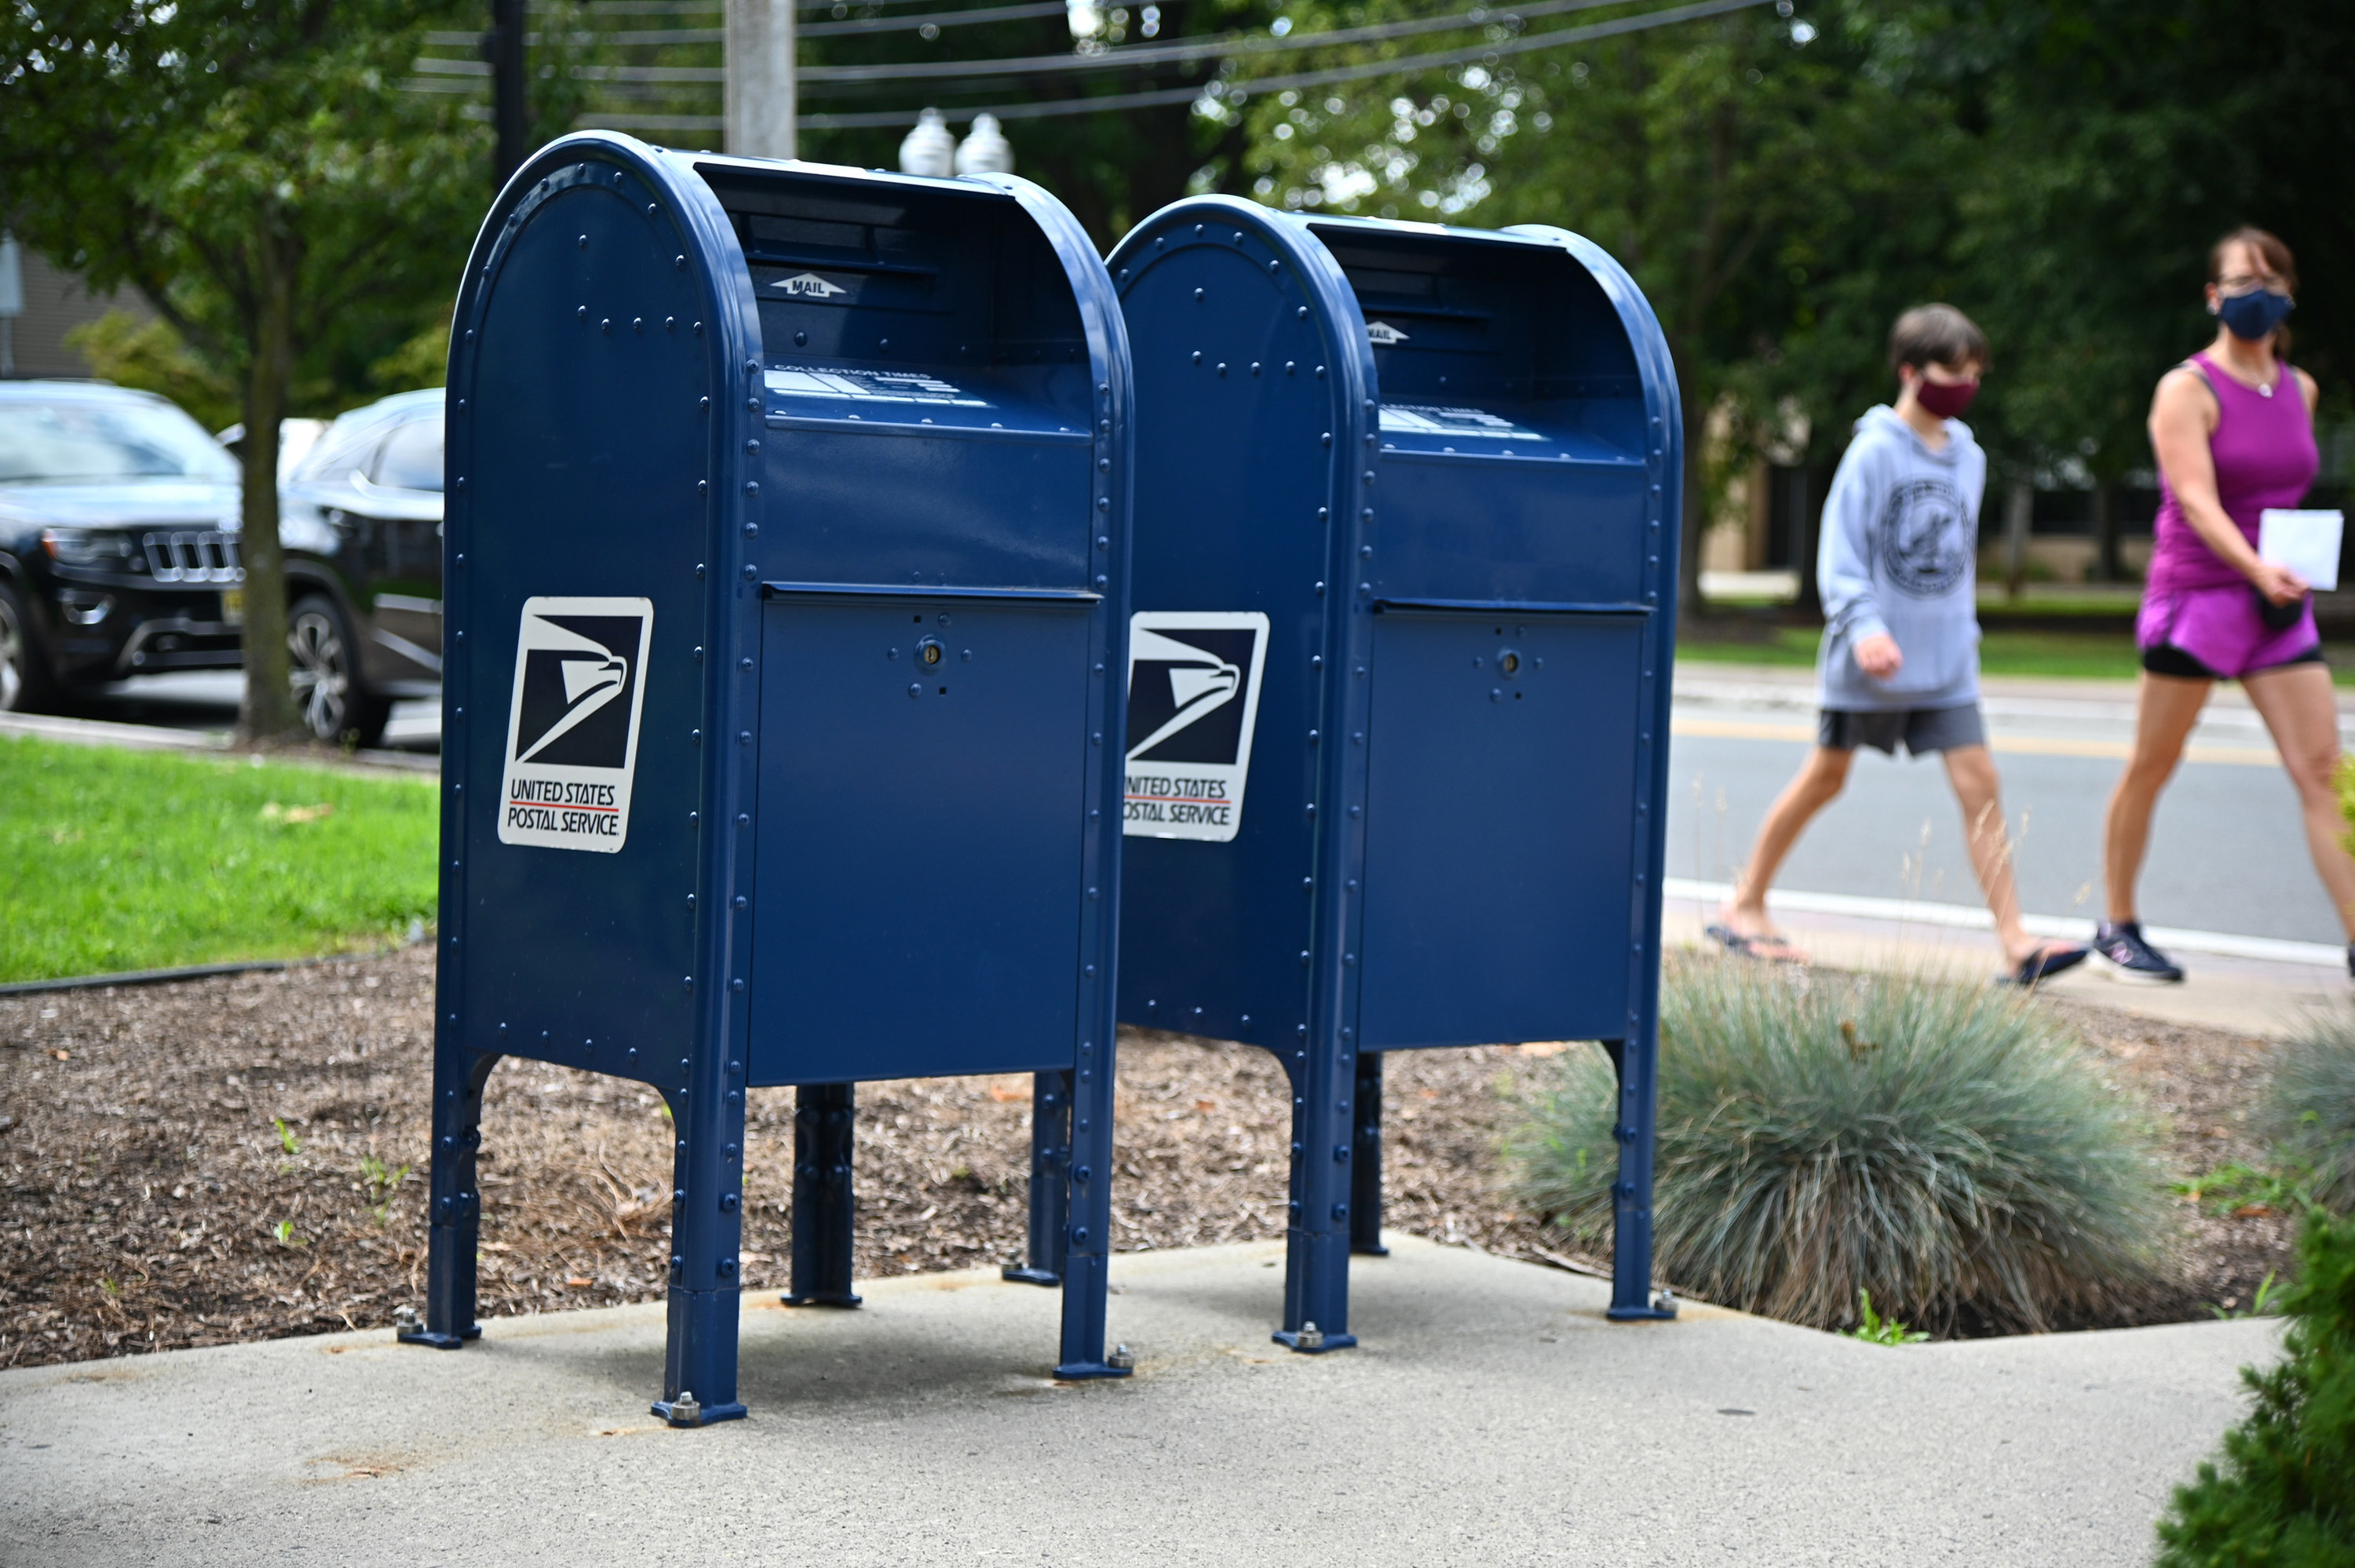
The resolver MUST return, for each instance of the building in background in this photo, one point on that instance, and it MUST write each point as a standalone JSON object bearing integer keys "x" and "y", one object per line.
{"x": 55, "y": 303}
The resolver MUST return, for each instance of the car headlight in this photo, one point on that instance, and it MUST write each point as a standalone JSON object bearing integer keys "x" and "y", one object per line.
{"x": 86, "y": 547}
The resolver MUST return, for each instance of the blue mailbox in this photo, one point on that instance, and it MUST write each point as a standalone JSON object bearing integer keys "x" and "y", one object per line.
{"x": 1405, "y": 549}
{"x": 786, "y": 554}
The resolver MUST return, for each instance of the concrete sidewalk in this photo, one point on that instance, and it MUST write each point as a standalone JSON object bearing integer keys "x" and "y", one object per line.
{"x": 1491, "y": 1416}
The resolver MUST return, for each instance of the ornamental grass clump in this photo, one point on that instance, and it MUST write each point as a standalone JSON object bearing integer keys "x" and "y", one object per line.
{"x": 2309, "y": 1105}
{"x": 1947, "y": 1147}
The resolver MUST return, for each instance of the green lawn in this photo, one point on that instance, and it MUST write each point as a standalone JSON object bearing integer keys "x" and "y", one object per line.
{"x": 127, "y": 859}
{"x": 2074, "y": 655}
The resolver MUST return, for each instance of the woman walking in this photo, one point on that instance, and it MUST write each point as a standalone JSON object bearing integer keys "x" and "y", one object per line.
{"x": 2233, "y": 430}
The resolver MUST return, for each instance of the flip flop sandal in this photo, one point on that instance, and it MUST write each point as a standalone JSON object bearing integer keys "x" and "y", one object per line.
{"x": 2045, "y": 964}
{"x": 1746, "y": 947}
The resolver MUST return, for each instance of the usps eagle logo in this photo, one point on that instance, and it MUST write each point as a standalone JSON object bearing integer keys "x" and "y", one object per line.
{"x": 572, "y": 727}
{"x": 1193, "y": 702}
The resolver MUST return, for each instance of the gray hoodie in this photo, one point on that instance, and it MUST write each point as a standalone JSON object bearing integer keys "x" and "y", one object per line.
{"x": 1900, "y": 556}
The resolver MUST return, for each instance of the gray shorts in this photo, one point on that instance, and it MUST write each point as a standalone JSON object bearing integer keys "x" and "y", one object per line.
{"x": 1922, "y": 729}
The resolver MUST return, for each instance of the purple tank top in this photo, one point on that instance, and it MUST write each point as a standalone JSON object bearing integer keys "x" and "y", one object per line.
{"x": 2265, "y": 456}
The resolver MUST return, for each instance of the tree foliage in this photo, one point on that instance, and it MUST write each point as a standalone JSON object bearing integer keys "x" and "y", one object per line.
{"x": 2282, "y": 1494}
{"x": 254, "y": 169}
{"x": 1783, "y": 181}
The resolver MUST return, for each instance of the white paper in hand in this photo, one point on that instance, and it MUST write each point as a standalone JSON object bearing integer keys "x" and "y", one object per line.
{"x": 2305, "y": 541}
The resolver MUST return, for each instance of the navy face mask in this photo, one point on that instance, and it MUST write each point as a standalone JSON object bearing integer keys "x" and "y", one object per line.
{"x": 2254, "y": 315}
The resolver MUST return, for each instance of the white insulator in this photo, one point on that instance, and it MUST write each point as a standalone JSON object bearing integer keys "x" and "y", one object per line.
{"x": 986, "y": 151}
{"x": 929, "y": 148}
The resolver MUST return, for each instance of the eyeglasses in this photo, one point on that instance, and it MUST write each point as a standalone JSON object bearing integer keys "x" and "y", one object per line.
{"x": 2248, "y": 283}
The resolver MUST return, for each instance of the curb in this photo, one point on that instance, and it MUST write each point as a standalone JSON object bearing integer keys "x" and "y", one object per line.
{"x": 194, "y": 971}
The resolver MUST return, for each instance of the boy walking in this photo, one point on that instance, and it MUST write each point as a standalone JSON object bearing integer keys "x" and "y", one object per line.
{"x": 1900, "y": 659}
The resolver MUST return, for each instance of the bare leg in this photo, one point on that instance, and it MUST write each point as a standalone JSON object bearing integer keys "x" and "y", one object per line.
{"x": 1979, "y": 792}
{"x": 2302, "y": 711}
{"x": 2167, "y": 709}
{"x": 1818, "y": 783}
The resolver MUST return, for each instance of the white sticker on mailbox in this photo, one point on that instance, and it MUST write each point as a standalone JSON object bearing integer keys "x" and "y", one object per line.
{"x": 1193, "y": 700}
{"x": 572, "y": 730}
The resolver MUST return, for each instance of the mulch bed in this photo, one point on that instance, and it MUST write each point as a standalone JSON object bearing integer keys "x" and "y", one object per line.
{"x": 243, "y": 1158}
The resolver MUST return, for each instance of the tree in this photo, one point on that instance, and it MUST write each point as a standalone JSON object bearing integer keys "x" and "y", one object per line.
{"x": 254, "y": 168}
{"x": 1770, "y": 183}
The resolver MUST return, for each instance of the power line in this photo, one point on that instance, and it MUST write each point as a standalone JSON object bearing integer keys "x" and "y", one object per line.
{"x": 1476, "y": 54}
{"x": 1222, "y": 47}
{"x": 934, "y": 19}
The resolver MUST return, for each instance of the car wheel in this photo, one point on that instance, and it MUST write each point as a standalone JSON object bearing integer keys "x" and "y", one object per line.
{"x": 323, "y": 664}
{"x": 25, "y": 683}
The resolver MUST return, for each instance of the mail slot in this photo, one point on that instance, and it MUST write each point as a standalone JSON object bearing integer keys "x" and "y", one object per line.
{"x": 1405, "y": 542}
{"x": 785, "y": 551}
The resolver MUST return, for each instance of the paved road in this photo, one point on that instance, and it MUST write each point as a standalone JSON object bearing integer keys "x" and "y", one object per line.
{"x": 2227, "y": 853}
{"x": 1489, "y": 1416}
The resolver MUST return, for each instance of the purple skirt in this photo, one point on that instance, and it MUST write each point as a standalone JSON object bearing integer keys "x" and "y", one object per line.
{"x": 2220, "y": 628}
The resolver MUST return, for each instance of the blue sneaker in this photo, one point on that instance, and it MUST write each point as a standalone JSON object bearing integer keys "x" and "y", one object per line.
{"x": 2130, "y": 956}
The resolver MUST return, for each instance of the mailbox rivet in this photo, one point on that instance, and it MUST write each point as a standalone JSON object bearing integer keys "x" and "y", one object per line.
{"x": 1325, "y": 513}
{"x": 1104, "y": 465}
{"x": 1320, "y": 369}
{"x": 751, "y": 487}
{"x": 605, "y": 323}
{"x": 582, "y": 314}
{"x": 916, "y": 691}
{"x": 462, "y": 557}
{"x": 1101, "y": 580}
{"x": 743, "y": 819}
{"x": 742, "y": 902}
{"x": 698, "y": 329}
{"x": 1092, "y": 892}
{"x": 637, "y": 324}
{"x": 1365, "y": 552}
{"x": 1312, "y": 737}
{"x": 1104, "y": 541}
{"x": 1340, "y": 1211}
{"x": 1254, "y": 368}
{"x": 750, "y": 572}
{"x": 745, "y": 738}
{"x": 692, "y": 817}
{"x": 752, "y": 448}
{"x": 1095, "y": 739}
{"x": 744, "y": 663}
{"x": 1222, "y": 367}
{"x": 584, "y": 242}
{"x": 1198, "y": 357}
{"x": 736, "y": 985}
{"x": 1302, "y": 314}
{"x": 1197, "y": 293}
{"x": 1329, "y": 437}
{"x": 752, "y": 530}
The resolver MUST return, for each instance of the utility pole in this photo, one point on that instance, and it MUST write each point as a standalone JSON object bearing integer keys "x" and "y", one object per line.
{"x": 760, "y": 108}
{"x": 502, "y": 47}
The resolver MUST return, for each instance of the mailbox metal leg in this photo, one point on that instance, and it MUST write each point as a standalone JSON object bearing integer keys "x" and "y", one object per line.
{"x": 1050, "y": 1152}
{"x": 825, "y": 1120}
{"x": 1317, "y": 1246}
{"x": 456, "y": 1210}
{"x": 1087, "y": 1243}
{"x": 706, "y": 1233}
{"x": 1366, "y": 1162}
{"x": 1637, "y": 1061}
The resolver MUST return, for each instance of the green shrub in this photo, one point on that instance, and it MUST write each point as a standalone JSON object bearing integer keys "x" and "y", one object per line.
{"x": 2309, "y": 1105}
{"x": 2283, "y": 1493}
{"x": 1947, "y": 1147}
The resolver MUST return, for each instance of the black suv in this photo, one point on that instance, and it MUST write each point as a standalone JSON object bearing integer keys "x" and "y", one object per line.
{"x": 119, "y": 551}
{"x": 360, "y": 517}
{"x": 118, "y": 541}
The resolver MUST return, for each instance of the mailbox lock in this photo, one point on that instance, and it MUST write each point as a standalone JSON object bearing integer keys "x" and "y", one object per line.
{"x": 1508, "y": 663}
{"x": 930, "y": 651}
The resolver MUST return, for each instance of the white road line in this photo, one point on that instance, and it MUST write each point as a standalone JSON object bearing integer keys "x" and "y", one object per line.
{"x": 1962, "y": 916}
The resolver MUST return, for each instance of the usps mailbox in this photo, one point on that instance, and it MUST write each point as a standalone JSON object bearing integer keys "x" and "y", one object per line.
{"x": 1399, "y": 674}
{"x": 788, "y": 510}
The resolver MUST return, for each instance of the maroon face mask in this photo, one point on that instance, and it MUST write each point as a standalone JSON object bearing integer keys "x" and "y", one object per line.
{"x": 1946, "y": 399}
